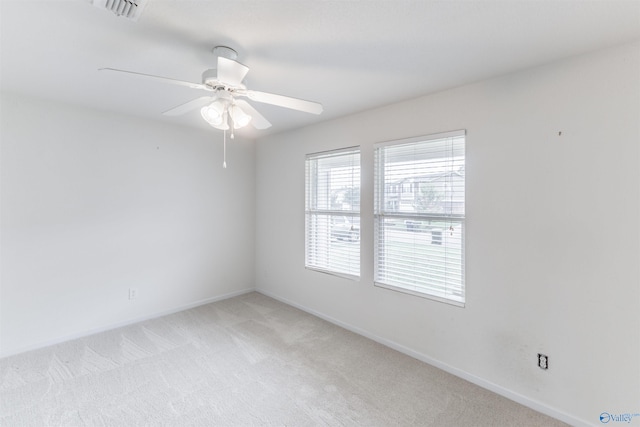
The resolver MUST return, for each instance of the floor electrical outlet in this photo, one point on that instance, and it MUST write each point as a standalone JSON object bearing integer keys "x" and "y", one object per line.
{"x": 543, "y": 361}
{"x": 133, "y": 293}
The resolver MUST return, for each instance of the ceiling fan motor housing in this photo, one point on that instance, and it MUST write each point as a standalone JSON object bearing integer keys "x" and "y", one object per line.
{"x": 210, "y": 76}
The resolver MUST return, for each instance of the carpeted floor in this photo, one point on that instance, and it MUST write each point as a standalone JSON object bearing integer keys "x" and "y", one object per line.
{"x": 245, "y": 361}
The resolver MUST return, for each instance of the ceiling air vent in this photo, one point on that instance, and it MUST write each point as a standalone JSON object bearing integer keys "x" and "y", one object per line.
{"x": 130, "y": 9}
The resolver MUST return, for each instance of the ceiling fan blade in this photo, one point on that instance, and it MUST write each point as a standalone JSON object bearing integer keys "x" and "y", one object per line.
{"x": 285, "y": 101}
{"x": 231, "y": 72}
{"x": 158, "y": 78}
{"x": 190, "y": 105}
{"x": 257, "y": 120}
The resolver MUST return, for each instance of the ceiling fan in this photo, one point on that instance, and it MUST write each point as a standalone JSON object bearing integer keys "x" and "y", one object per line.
{"x": 223, "y": 109}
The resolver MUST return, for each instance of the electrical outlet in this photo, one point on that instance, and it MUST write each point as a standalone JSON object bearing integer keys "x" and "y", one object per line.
{"x": 543, "y": 361}
{"x": 133, "y": 293}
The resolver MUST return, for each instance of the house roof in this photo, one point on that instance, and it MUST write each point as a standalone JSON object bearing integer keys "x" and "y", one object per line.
{"x": 428, "y": 177}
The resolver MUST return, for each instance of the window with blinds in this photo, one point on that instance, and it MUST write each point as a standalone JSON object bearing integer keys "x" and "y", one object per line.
{"x": 419, "y": 216}
{"x": 332, "y": 212}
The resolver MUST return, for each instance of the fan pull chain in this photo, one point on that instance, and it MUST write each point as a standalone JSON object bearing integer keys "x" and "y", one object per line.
{"x": 224, "y": 162}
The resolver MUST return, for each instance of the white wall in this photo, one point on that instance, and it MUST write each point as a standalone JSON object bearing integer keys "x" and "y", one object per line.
{"x": 553, "y": 236}
{"x": 94, "y": 203}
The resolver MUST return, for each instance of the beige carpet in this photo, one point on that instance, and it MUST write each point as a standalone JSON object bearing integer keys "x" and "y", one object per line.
{"x": 245, "y": 361}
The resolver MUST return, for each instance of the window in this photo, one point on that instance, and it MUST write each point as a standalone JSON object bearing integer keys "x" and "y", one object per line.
{"x": 332, "y": 212}
{"x": 419, "y": 216}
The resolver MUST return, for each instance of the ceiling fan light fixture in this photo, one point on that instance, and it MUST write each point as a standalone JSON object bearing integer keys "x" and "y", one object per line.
{"x": 239, "y": 117}
{"x": 223, "y": 125}
{"x": 213, "y": 113}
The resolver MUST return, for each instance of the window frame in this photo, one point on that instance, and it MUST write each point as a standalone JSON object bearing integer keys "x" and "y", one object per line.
{"x": 381, "y": 213}
{"x": 311, "y": 210}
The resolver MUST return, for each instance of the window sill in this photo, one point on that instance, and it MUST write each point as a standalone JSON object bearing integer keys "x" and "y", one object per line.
{"x": 335, "y": 273}
{"x": 420, "y": 294}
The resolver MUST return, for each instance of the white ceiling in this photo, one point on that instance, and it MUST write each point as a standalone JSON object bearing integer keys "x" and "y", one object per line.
{"x": 348, "y": 55}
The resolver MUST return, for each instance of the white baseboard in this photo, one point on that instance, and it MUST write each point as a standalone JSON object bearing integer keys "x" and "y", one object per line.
{"x": 509, "y": 394}
{"x": 128, "y": 322}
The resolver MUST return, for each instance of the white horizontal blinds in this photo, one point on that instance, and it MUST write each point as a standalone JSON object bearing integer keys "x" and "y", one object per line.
{"x": 332, "y": 241}
{"x": 419, "y": 215}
